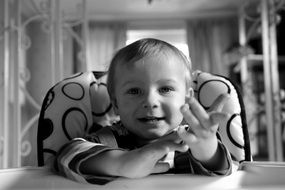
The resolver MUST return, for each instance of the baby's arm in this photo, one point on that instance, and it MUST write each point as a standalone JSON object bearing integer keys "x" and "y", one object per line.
{"x": 135, "y": 163}
{"x": 201, "y": 136}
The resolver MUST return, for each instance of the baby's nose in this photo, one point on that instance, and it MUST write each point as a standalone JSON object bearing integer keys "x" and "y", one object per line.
{"x": 151, "y": 100}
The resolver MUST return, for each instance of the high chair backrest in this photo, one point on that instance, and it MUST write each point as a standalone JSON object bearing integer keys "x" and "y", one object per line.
{"x": 80, "y": 103}
{"x": 234, "y": 132}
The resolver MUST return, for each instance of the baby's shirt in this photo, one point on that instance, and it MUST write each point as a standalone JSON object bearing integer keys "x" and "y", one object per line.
{"x": 72, "y": 154}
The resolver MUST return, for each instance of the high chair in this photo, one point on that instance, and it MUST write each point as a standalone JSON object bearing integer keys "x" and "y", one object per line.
{"x": 80, "y": 103}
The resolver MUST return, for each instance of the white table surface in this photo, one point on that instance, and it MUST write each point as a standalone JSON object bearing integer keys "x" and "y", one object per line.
{"x": 253, "y": 176}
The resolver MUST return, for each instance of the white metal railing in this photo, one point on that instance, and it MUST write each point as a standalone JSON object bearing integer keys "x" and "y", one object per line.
{"x": 13, "y": 142}
{"x": 5, "y": 85}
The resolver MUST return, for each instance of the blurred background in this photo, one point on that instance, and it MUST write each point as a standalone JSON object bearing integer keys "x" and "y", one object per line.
{"x": 44, "y": 41}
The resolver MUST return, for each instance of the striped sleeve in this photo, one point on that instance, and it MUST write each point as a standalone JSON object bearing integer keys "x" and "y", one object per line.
{"x": 75, "y": 152}
{"x": 186, "y": 163}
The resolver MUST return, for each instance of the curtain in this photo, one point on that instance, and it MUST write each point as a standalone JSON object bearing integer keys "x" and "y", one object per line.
{"x": 104, "y": 40}
{"x": 208, "y": 40}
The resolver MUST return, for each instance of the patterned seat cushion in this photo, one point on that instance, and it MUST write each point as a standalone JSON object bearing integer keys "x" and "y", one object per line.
{"x": 234, "y": 133}
{"x": 70, "y": 109}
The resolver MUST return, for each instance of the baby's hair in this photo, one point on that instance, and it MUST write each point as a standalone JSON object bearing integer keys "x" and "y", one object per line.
{"x": 146, "y": 47}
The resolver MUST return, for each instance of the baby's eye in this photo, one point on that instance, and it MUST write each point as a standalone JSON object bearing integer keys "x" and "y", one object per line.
{"x": 166, "y": 89}
{"x": 133, "y": 91}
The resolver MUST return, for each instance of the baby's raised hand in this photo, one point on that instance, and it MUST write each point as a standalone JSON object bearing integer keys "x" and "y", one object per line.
{"x": 200, "y": 135}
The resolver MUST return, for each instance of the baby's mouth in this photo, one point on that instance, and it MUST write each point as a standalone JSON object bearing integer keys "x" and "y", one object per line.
{"x": 151, "y": 119}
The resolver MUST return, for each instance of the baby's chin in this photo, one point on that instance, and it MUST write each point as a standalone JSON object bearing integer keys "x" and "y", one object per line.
{"x": 155, "y": 136}
{"x": 150, "y": 138}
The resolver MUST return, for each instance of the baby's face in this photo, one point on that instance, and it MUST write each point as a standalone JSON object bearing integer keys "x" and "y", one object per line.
{"x": 149, "y": 96}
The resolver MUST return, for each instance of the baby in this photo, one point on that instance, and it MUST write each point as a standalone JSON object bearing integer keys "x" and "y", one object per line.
{"x": 162, "y": 126}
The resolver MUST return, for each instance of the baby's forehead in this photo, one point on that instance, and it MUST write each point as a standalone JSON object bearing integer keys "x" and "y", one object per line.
{"x": 152, "y": 68}
{"x": 154, "y": 59}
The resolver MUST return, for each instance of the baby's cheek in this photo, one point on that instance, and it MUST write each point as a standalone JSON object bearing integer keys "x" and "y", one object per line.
{"x": 177, "y": 114}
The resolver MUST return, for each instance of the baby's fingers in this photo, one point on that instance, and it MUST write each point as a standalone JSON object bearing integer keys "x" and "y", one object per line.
{"x": 187, "y": 114}
{"x": 216, "y": 118}
{"x": 198, "y": 111}
{"x": 196, "y": 115}
{"x": 187, "y": 136}
{"x": 160, "y": 148}
{"x": 219, "y": 103}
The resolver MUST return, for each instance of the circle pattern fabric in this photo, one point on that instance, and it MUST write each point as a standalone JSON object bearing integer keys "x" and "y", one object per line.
{"x": 234, "y": 134}
{"x": 68, "y": 112}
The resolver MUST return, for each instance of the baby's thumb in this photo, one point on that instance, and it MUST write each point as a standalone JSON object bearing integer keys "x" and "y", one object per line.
{"x": 187, "y": 135}
{"x": 160, "y": 167}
